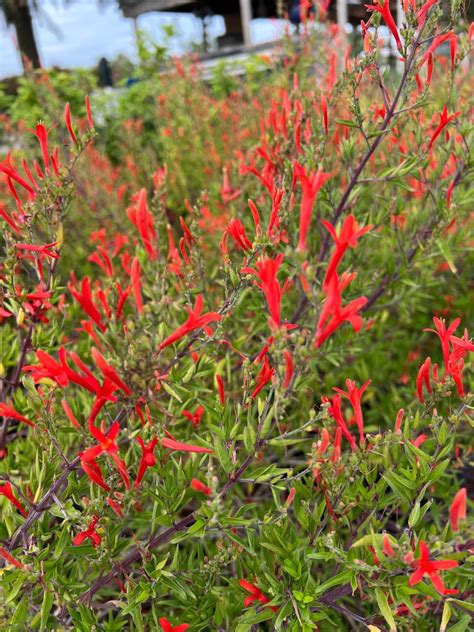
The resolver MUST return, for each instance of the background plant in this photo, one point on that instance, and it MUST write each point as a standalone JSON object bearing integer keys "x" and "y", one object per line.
{"x": 176, "y": 332}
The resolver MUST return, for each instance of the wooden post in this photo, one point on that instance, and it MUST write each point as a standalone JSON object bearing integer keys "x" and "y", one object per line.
{"x": 246, "y": 16}
{"x": 341, "y": 6}
{"x": 20, "y": 16}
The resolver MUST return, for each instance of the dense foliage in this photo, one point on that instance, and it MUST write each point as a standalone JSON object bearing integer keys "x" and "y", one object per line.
{"x": 234, "y": 381}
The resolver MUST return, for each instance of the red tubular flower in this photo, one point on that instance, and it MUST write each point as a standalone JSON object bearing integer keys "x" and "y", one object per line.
{"x": 148, "y": 458}
{"x": 265, "y": 375}
{"x": 421, "y": 13}
{"x": 236, "y": 230}
{"x": 7, "y": 168}
{"x": 336, "y": 413}
{"x": 437, "y": 41}
{"x": 335, "y": 458}
{"x": 175, "y": 264}
{"x": 188, "y": 236}
{"x": 354, "y": 395}
{"x": 62, "y": 374}
{"x": 123, "y": 295}
{"x": 89, "y": 534}
{"x": 324, "y": 443}
{"x": 423, "y": 377}
{"x": 93, "y": 471}
{"x": 220, "y": 388}
{"x": 88, "y": 112}
{"x": 182, "y": 249}
{"x": 55, "y": 162}
{"x": 453, "y": 47}
{"x": 135, "y": 272}
{"x": 167, "y": 627}
{"x": 386, "y": 14}
{"x": 255, "y": 594}
{"x": 398, "y": 421}
{"x": 348, "y": 235}
{"x": 10, "y": 413}
{"x": 10, "y": 220}
{"x": 290, "y": 497}
{"x": 195, "y": 320}
{"x": 70, "y": 415}
{"x": 267, "y": 270}
{"x": 106, "y": 443}
{"x": 425, "y": 566}
{"x": 444, "y": 119}
{"x": 444, "y": 334}
{"x": 310, "y": 185}
{"x": 273, "y": 230}
{"x": 228, "y": 193}
{"x": 460, "y": 347}
{"x": 43, "y": 251}
{"x": 85, "y": 299}
{"x": 387, "y": 547}
{"x": 458, "y": 509}
{"x": 195, "y": 417}
{"x": 171, "y": 443}
{"x": 41, "y": 134}
{"x": 333, "y": 315}
{"x": 115, "y": 506}
{"x": 102, "y": 259}
{"x": 429, "y": 71}
{"x": 324, "y": 109}
{"x": 289, "y": 369}
{"x": 9, "y": 558}
{"x": 142, "y": 219}
{"x": 108, "y": 371}
{"x": 7, "y": 491}
{"x": 419, "y": 440}
{"x": 67, "y": 119}
{"x": 256, "y": 217}
{"x": 198, "y": 486}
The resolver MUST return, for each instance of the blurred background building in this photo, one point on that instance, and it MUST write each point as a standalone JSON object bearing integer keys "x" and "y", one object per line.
{"x": 69, "y": 33}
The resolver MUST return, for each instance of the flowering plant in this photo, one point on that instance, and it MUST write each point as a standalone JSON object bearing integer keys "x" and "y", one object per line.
{"x": 230, "y": 411}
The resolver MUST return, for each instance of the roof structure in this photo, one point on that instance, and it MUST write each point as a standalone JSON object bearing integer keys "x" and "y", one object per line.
{"x": 350, "y": 10}
{"x": 259, "y": 8}
{"x": 238, "y": 13}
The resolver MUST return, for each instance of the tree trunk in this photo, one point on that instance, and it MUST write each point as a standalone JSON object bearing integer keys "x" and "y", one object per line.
{"x": 21, "y": 19}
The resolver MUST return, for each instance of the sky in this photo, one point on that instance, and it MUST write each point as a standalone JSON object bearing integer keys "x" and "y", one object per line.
{"x": 79, "y": 33}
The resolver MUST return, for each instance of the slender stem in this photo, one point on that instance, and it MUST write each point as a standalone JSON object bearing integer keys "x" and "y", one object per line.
{"x": 162, "y": 537}
{"x": 25, "y": 347}
{"x": 366, "y": 157}
{"x": 47, "y": 500}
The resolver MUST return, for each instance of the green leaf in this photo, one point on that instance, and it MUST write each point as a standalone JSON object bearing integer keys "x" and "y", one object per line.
{"x": 385, "y": 609}
{"x": 414, "y": 515}
{"x": 398, "y": 487}
{"x": 48, "y": 600}
{"x": 283, "y": 612}
{"x": 461, "y": 625}
{"x": 373, "y": 539}
{"x": 257, "y": 617}
{"x": 338, "y": 579}
{"x": 445, "y": 251}
{"x": 438, "y": 471}
{"x": 467, "y": 605}
{"x": 170, "y": 390}
{"x": 445, "y": 617}
{"x": 21, "y": 613}
{"x": 20, "y": 580}
{"x": 346, "y": 122}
